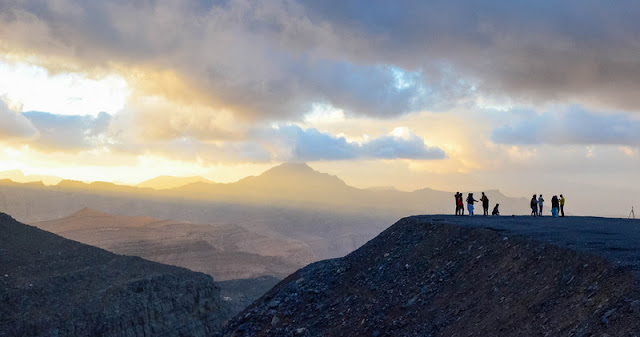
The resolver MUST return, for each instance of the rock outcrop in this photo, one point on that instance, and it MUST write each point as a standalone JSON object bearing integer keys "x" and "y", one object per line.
{"x": 435, "y": 279}
{"x": 51, "y": 286}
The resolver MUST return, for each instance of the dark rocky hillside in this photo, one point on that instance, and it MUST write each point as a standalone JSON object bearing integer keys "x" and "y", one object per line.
{"x": 51, "y": 286}
{"x": 426, "y": 278}
{"x": 241, "y": 293}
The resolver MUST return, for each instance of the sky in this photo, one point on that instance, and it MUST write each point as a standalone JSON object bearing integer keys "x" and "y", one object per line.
{"x": 522, "y": 96}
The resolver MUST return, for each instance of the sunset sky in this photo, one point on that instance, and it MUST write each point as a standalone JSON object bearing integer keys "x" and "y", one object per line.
{"x": 522, "y": 96}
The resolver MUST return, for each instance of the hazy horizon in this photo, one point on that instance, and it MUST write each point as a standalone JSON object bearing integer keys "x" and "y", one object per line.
{"x": 288, "y": 186}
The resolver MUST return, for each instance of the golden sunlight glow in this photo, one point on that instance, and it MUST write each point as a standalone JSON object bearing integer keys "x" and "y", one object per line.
{"x": 127, "y": 169}
{"x": 62, "y": 93}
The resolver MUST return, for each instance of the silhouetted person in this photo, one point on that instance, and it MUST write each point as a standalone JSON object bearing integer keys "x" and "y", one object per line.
{"x": 470, "y": 201}
{"x": 540, "y": 203}
{"x": 495, "y": 210}
{"x": 485, "y": 204}
{"x": 555, "y": 204}
{"x": 534, "y": 206}
{"x": 561, "y": 205}
{"x": 459, "y": 204}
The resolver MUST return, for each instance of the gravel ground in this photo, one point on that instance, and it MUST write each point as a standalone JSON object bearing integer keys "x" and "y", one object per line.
{"x": 617, "y": 240}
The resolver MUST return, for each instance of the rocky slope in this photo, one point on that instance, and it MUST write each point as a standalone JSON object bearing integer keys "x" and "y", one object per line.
{"x": 433, "y": 279}
{"x": 242, "y": 292}
{"x": 51, "y": 286}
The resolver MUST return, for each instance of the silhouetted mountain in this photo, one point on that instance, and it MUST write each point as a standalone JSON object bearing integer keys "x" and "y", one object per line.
{"x": 166, "y": 182}
{"x": 51, "y": 286}
{"x": 19, "y": 177}
{"x": 426, "y": 278}
{"x": 382, "y": 188}
{"x": 293, "y": 177}
{"x": 298, "y": 185}
{"x": 101, "y": 186}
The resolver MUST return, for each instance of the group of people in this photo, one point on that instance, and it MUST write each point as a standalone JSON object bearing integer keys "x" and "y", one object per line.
{"x": 537, "y": 203}
{"x": 557, "y": 205}
{"x": 470, "y": 206}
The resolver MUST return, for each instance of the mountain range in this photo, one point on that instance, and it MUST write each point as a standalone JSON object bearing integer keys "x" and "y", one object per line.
{"x": 290, "y": 201}
{"x": 19, "y": 177}
{"x": 224, "y": 251}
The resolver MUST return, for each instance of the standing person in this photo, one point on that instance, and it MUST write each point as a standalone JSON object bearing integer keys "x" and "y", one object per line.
{"x": 460, "y": 203}
{"x": 470, "y": 201}
{"x": 540, "y": 203}
{"x": 554, "y": 206}
{"x": 459, "y": 207}
{"x": 485, "y": 204}
{"x": 534, "y": 206}
{"x": 561, "y": 204}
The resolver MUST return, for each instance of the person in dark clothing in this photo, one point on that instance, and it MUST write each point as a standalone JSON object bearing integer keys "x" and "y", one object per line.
{"x": 534, "y": 206}
{"x": 555, "y": 204}
{"x": 485, "y": 204}
{"x": 470, "y": 201}
{"x": 459, "y": 204}
{"x": 561, "y": 204}
{"x": 495, "y": 210}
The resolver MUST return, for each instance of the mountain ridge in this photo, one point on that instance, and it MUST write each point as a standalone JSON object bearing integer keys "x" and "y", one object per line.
{"x": 52, "y": 286}
{"x": 168, "y": 182}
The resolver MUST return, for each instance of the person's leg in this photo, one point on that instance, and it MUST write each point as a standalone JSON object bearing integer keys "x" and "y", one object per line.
{"x": 562, "y": 209}
{"x": 540, "y": 213}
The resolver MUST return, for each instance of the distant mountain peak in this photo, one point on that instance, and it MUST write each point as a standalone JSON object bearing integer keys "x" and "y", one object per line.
{"x": 87, "y": 212}
{"x": 298, "y": 172}
{"x": 167, "y": 182}
{"x": 289, "y": 167}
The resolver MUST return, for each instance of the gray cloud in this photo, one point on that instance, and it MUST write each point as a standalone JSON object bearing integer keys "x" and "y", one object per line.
{"x": 525, "y": 50}
{"x": 13, "y": 124}
{"x": 273, "y": 58}
{"x": 573, "y": 126}
{"x": 297, "y": 144}
{"x": 73, "y": 133}
{"x": 69, "y": 133}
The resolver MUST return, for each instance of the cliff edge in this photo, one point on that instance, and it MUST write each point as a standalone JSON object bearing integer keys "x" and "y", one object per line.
{"x": 437, "y": 279}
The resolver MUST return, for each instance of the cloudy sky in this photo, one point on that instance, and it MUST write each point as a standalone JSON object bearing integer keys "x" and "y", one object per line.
{"x": 523, "y": 96}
